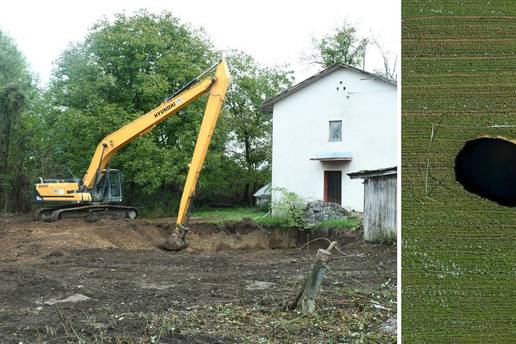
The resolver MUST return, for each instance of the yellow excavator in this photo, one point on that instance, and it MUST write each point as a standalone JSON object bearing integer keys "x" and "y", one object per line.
{"x": 99, "y": 192}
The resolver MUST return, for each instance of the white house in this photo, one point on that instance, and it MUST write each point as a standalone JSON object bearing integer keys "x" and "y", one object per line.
{"x": 338, "y": 121}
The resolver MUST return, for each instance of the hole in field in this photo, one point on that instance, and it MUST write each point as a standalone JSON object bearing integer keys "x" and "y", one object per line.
{"x": 487, "y": 167}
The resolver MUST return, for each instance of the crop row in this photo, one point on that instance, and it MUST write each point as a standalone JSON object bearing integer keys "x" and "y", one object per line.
{"x": 444, "y": 8}
{"x": 450, "y": 66}
{"x": 456, "y": 104}
{"x": 458, "y": 28}
{"x": 413, "y": 79}
{"x": 465, "y": 48}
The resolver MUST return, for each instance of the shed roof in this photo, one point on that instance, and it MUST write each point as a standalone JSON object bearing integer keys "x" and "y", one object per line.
{"x": 373, "y": 173}
{"x": 267, "y": 106}
{"x": 264, "y": 191}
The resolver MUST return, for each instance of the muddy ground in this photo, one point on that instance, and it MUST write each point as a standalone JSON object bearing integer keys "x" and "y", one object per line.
{"x": 107, "y": 282}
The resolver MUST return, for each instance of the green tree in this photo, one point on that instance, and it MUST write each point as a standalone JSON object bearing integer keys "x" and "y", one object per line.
{"x": 16, "y": 93}
{"x": 13, "y": 67}
{"x": 251, "y": 130}
{"x": 123, "y": 69}
{"x": 342, "y": 46}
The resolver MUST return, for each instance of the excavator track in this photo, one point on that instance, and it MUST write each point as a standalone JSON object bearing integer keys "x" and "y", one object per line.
{"x": 90, "y": 212}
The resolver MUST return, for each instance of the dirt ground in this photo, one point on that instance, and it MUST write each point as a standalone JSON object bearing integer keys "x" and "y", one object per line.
{"x": 107, "y": 282}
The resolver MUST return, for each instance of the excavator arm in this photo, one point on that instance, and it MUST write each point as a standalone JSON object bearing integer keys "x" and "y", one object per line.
{"x": 177, "y": 240}
{"x": 115, "y": 141}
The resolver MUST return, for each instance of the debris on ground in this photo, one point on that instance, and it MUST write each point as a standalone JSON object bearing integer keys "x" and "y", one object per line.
{"x": 72, "y": 298}
{"x": 140, "y": 294}
{"x": 259, "y": 285}
{"x": 390, "y": 326}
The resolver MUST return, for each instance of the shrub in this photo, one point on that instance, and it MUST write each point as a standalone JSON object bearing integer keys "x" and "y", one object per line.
{"x": 290, "y": 207}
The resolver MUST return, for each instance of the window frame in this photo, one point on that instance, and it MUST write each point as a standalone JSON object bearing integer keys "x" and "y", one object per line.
{"x": 330, "y": 138}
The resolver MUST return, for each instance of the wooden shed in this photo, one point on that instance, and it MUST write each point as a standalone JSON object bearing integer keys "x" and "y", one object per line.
{"x": 379, "y": 203}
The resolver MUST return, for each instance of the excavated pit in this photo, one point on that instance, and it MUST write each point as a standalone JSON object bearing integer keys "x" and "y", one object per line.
{"x": 487, "y": 167}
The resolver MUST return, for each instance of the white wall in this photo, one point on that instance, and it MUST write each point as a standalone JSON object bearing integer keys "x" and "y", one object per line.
{"x": 367, "y": 108}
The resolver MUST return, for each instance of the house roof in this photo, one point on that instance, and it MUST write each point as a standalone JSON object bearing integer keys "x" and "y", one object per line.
{"x": 267, "y": 106}
{"x": 373, "y": 173}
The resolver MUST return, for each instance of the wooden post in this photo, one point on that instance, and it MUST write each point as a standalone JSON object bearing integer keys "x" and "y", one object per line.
{"x": 314, "y": 279}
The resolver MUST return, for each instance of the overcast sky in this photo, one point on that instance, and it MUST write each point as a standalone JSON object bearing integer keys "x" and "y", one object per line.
{"x": 274, "y": 32}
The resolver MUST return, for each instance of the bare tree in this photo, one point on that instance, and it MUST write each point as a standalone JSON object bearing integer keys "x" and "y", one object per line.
{"x": 390, "y": 62}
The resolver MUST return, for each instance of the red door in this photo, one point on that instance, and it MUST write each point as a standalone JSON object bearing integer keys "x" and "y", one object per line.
{"x": 333, "y": 186}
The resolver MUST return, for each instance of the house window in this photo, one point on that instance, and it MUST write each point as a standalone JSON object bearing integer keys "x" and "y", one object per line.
{"x": 335, "y": 131}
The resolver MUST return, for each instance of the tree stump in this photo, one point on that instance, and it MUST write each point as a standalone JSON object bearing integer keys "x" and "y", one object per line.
{"x": 312, "y": 285}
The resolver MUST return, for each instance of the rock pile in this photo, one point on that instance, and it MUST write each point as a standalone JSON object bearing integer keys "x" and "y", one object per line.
{"x": 319, "y": 211}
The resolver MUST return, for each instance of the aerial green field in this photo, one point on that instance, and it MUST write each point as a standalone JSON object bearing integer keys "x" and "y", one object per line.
{"x": 459, "y": 250}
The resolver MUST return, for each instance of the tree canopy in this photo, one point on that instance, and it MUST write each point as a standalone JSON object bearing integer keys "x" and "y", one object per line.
{"x": 16, "y": 89}
{"x": 342, "y": 46}
{"x": 250, "y": 140}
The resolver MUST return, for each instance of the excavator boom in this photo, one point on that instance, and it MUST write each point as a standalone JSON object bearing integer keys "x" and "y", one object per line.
{"x": 115, "y": 141}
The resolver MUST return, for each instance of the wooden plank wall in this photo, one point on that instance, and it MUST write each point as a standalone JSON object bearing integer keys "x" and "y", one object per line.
{"x": 380, "y": 208}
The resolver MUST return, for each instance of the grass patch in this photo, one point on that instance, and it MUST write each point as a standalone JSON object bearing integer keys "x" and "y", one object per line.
{"x": 221, "y": 215}
{"x": 348, "y": 223}
{"x": 278, "y": 221}
{"x": 272, "y": 221}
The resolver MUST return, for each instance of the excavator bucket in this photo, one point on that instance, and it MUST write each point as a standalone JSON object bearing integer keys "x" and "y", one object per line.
{"x": 173, "y": 243}
{"x": 177, "y": 240}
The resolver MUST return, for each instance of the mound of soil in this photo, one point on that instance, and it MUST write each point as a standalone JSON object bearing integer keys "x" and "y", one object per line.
{"x": 24, "y": 239}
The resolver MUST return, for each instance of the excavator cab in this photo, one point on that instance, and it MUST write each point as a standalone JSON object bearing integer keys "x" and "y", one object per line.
{"x": 109, "y": 187}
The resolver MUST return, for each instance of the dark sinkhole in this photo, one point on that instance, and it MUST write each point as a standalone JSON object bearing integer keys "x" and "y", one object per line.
{"x": 487, "y": 167}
